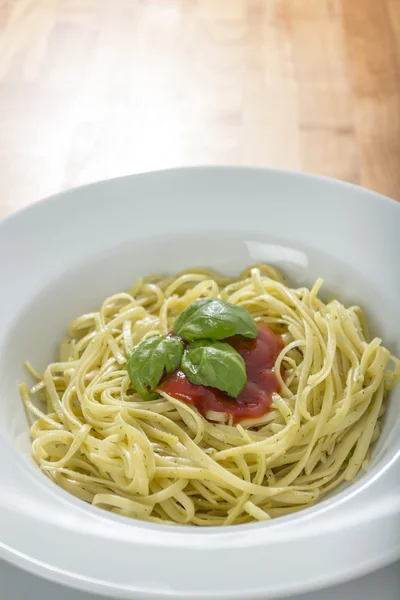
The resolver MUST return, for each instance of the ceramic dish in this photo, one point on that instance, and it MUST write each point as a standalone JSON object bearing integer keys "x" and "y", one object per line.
{"x": 63, "y": 255}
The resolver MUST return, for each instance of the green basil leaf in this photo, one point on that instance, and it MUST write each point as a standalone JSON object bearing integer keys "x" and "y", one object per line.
{"x": 219, "y": 365}
{"x": 214, "y": 319}
{"x": 148, "y": 361}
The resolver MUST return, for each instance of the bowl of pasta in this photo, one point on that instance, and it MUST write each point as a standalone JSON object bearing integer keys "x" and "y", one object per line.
{"x": 199, "y": 384}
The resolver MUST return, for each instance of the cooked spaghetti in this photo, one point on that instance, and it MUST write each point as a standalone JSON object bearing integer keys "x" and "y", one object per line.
{"x": 162, "y": 461}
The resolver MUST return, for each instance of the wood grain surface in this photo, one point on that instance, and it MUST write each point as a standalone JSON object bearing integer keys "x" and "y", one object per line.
{"x": 91, "y": 89}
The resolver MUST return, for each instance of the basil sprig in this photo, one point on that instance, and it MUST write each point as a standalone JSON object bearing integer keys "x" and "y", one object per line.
{"x": 205, "y": 361}
{"x": 148, "y": 361}
{"x": 219, "y": 365}
{"x": 214, "y": 319}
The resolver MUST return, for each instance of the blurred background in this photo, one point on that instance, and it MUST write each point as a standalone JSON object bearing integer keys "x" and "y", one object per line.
{"x": 91, "y": 89}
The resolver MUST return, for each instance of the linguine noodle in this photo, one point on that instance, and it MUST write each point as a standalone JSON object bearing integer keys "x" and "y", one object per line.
{"x": 160, "y": 460}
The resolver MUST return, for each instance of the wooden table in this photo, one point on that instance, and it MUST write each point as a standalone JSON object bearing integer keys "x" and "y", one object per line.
{"x": 91, "y": 89}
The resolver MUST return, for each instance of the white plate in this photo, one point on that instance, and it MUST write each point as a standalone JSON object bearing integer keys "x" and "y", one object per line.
{"x": 62, "y": 256}
{"x": 383, "y": 584}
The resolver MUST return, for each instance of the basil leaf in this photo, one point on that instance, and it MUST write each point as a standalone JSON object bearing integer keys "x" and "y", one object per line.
{"x": 214, "y": 319}
{"x": 219, "y": 365}
{"x": 147, "y": 362}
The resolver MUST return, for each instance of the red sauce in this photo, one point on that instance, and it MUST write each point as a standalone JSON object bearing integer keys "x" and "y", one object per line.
{"x": 255, "y": 399}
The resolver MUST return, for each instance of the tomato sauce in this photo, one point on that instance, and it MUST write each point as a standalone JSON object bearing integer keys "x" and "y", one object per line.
{"x": 255, "y": 399}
